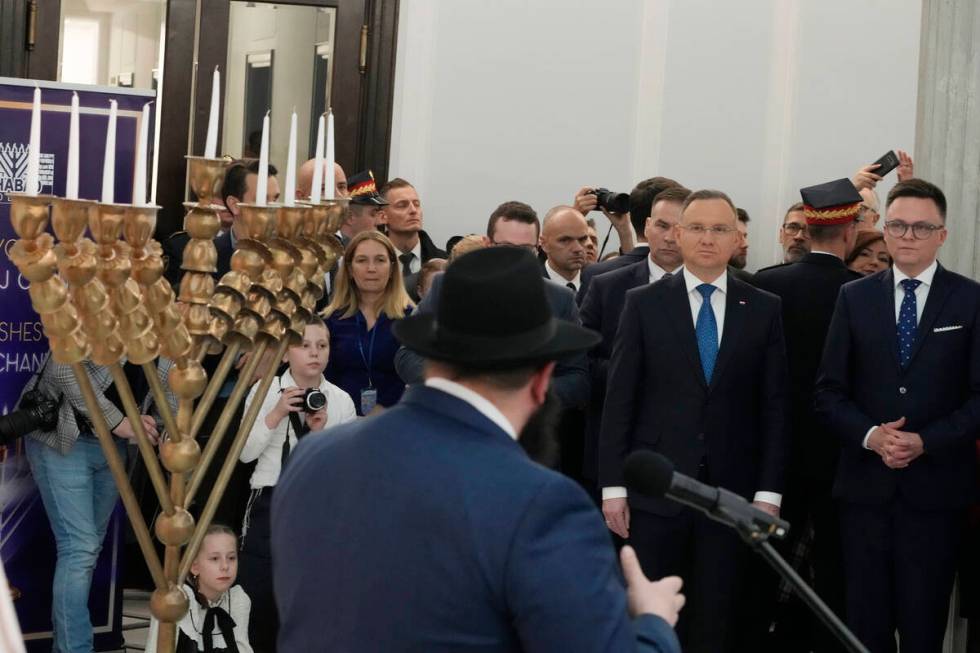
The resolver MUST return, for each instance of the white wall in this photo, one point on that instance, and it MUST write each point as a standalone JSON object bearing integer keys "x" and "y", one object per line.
{"x": 531, "y": 99}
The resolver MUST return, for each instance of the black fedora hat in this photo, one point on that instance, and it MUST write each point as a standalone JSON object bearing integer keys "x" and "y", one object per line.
{"x": 493, "y": 314}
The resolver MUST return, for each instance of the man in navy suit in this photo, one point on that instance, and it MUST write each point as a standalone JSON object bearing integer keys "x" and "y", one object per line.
{"x": 641, "y": 202}
{"x": 428, "y": 528}
{"x": 899, "y": 385}
{"x": 603, "y": 304}
{"x": 698, "y": 373}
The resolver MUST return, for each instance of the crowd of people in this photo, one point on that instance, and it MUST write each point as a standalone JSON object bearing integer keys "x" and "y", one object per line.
{"x": 838, "y": 389}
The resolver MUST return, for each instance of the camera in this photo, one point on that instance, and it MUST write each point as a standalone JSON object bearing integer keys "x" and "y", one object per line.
{"x": 37, "y": 412}
{"x": 313, "y": 400}
{"x": 610, "y": 201}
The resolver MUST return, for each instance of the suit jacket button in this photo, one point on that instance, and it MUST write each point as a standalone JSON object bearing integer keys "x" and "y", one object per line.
{"x": 902, "y": 390}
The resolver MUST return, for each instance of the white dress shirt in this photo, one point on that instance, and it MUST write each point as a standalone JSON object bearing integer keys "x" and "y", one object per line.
{"x": 921, "y": 295}
{"x": 265, "y": 444}
{"x": 656, "y": 272}
{"x": 416, "y": 263}
{"x": 718, "y": 307}
{"x": 235, "y": 602}
{"x": 555, "y": 276}
{"x": 480, "y": 403}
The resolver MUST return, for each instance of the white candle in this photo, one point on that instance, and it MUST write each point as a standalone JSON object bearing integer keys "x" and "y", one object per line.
{"x": 290, "y": 191}
{"x": 109, "y": 162}
{"x": 34, "y": 147}
{"x": 315, "y": 190}
{"x": 211, "y": 144}
{"x": 329, "y": 163}
{"x": 139, "y": 176}
{"x": 157, "y": 114}
{"x": 71, "y": 181}
{"x": 262, "y": 189}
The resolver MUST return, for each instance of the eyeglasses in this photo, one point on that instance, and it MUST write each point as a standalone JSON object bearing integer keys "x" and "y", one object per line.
{"x": 795, "y": 228}
{"x": 716, "y": 230}
{"x": 920, "y": 230}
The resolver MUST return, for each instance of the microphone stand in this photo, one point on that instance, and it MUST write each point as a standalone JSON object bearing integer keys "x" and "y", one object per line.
{"x": 757, "y": 539}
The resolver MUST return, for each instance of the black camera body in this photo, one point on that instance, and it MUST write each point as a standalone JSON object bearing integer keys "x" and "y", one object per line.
{"x": 313, "y": 400}
{"x": 37, "y": 412}
{"x": 610, "y": 201}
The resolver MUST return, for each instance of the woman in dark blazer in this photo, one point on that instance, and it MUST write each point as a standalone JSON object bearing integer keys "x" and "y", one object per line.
{"x": 369, "y": 296}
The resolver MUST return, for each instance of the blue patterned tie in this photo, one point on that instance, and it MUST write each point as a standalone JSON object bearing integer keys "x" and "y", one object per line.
{"x": 706, "y": 331}
{"x": 907, "y": 321}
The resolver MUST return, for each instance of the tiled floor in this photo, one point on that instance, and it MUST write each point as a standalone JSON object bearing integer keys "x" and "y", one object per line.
{"x": 136, "y": 619}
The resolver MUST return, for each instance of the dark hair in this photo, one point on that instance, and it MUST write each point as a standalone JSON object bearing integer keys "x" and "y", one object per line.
{"x": 918, "y": 188}
{"x": 452, "y": 243}
{"x": 796, "y": 207}
{"x": 513, "y": 210}
{"x": 511, "y": 379}
{"x": 429, "y": 268}
{"x": 392, "y": 184}
{"x": 590, "y": 222}
{"x": 642, "y": 196}
{"x": 864, "y": 239}
{"x": 742, "y": 215}
{"x": 825, "y": 232}
{"x": 677, "y": 194}
{"x": 707, "y": 194}
{"x": 236, "y": 176}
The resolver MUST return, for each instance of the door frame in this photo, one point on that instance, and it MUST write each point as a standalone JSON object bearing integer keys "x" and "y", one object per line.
{"x": 358, "y": 96}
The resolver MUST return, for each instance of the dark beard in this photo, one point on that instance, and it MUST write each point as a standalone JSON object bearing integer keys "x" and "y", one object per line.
{"x": 538, "y": 435}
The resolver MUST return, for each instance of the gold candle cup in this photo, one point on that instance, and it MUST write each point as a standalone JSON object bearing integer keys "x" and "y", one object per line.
{"x": 29, "y": 214}
{"x": 70, "y": 218}
{"x": 205, "y": 176}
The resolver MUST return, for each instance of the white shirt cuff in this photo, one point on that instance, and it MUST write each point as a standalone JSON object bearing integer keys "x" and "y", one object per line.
{"x": 867, "y": 436}
{"x": 774, "y": 498}
{"x": 613, "y": 493}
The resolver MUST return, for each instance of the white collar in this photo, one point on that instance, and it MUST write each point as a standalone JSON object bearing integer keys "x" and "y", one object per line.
{"x": 483, "y": 405}
{"x": 692, "y": 282}
{"x": 555, "y": 276}
{"x": 925, "y": 276}
{"x": 287, "y": 380}
{"x": 656, "y": 272}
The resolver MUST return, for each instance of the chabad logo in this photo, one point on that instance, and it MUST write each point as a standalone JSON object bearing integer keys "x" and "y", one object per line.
{"x": 13, "y": 169}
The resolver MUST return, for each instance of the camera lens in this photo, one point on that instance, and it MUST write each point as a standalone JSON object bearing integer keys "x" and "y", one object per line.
{"x": 314, "y": 400}
{"x": 612, "y": 202}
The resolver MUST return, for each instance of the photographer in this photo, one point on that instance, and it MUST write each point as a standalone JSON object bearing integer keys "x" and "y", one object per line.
{"x": 76, "y": 486}
{"x": 301, "y": 401}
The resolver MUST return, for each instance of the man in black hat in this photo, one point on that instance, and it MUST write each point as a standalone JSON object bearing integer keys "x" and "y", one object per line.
{"x": 365, "y": 209}
{"x": 809, "y": 290}
{"x": 433, "y": 530}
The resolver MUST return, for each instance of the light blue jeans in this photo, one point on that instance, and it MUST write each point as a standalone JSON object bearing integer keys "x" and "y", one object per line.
{"x": 79, "y": 495}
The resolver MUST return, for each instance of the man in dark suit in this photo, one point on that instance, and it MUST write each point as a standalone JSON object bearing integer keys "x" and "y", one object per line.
{"x": 603, "y": 304}
{"x": 809, "y": 290}
{"x": 698, "y": 374}
{"x": 238, "y": 187}
{"x": 402, "y": 218}
{"x": 516, "y": 225}
{"x": 641, "y": 202}
{"x": 437, "y": 532}
{"x": 564, "y": 238}
{"x": 899, "y": 385}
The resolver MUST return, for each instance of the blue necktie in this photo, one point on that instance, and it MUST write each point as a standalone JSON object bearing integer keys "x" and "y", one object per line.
{"x": 706, "y": 331}
{"x": 907, "y": 321}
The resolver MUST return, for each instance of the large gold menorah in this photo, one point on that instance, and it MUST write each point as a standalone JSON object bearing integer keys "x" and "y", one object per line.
{"x": 105, "y": 300}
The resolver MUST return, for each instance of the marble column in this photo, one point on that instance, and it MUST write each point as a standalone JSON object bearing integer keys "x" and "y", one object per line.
{"x": 947, "y": 135}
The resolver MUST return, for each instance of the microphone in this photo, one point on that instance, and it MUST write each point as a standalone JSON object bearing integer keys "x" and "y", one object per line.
{"x": 653, "y": 475}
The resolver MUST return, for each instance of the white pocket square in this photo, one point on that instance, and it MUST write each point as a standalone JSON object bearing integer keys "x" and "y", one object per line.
{"x": 947, "y": 328}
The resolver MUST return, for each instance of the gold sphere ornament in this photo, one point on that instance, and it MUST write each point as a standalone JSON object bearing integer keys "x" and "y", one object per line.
{"x": 180, "y": 456}
{"x": 175, "y": 529}
{"x": 169, "y": 604}
{"x": 189, "y": 381}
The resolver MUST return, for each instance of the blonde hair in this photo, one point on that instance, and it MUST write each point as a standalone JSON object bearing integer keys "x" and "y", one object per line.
{"x": 466, "y": 245}
{"x": 346, "y": 296}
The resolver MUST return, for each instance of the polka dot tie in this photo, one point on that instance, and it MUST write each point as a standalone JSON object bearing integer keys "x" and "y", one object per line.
{"x": 706, "y": 331}
{"x": 907, "y": 321}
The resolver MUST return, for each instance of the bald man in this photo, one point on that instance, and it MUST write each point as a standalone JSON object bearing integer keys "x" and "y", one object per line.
{"x": 564, "y": 239}
{"x": 304, "y": 181}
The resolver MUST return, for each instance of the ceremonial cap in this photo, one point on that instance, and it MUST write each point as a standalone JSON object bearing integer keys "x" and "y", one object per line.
{"x": 363, "y": 190}
{"x": 834, "y": 202}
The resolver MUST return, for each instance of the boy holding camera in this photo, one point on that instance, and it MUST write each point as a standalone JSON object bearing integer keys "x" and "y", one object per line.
{"x": 300, "y": 401}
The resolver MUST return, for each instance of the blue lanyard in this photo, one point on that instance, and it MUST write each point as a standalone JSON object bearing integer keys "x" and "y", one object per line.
{"x": 369, "y": 360}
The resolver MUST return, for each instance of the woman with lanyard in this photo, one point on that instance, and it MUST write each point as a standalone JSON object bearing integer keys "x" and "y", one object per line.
{"x": 369, "y": 295}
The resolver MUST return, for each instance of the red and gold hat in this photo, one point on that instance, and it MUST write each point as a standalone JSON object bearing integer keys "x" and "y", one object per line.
{"x": 835, "y": 202}
{"x": 363, "y": 190}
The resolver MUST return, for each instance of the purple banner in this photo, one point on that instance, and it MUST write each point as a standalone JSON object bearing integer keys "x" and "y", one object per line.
{"x": 26, "y": 543}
